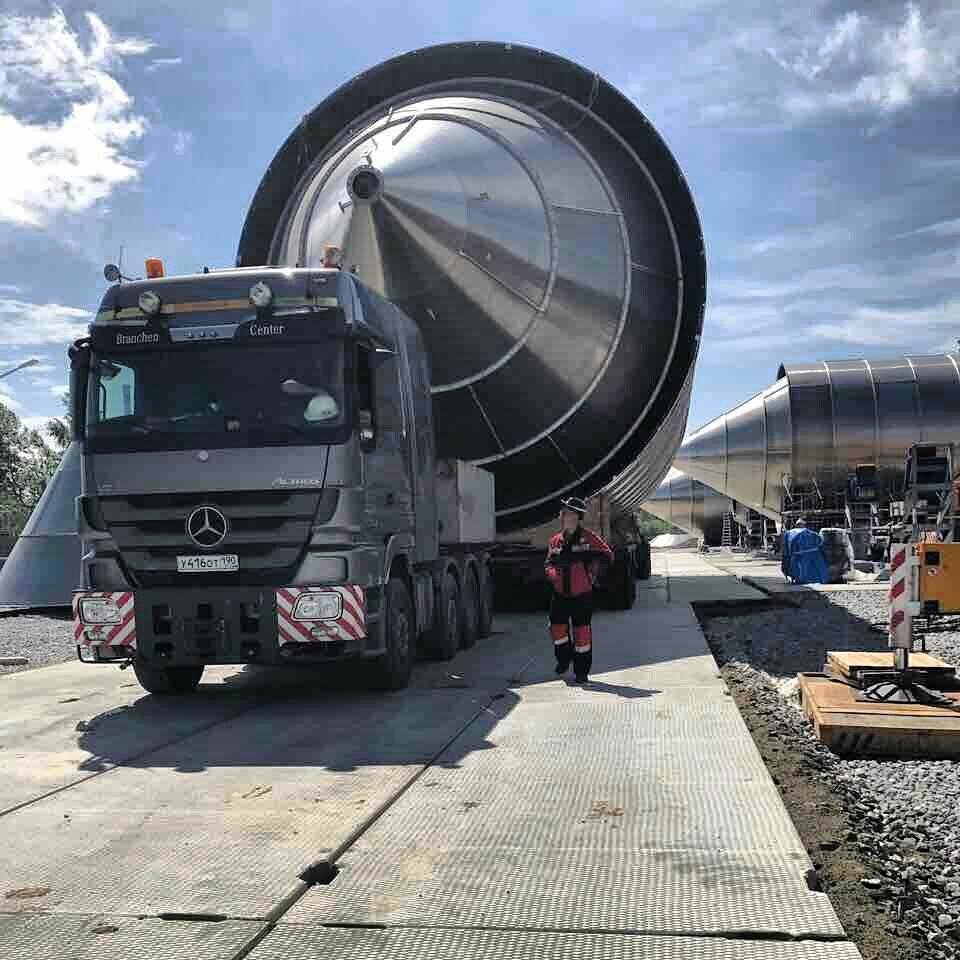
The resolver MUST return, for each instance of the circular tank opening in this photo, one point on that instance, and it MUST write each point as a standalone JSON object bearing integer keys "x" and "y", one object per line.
{"x": 365, "y": 184}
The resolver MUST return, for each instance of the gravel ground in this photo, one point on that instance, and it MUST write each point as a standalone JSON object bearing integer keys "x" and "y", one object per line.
{"x": 884, "y": 834}
{"x": 42, "y": 639}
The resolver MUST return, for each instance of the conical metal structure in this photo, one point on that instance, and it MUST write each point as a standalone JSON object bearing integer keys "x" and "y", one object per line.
{"x": 819, "y": 421}
{"x": 691, "y": 505}
{"x": 531, "y": 221}
{"x": 43, "y": 568}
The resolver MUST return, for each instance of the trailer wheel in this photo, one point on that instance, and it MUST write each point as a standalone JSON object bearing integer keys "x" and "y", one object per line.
{"x": 166, "y": 681}
{"x": 445, "y": 635}
{"x": 470, "y": 610}
{"x": 392, "y": 670}
{"x": 486, "y": 600}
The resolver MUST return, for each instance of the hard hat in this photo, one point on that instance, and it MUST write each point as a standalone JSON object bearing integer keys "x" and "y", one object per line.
{"x": 574, "y": 505}
{"x": 801, "y": 522}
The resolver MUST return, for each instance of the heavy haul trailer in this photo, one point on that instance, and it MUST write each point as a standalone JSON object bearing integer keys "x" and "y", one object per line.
{"x": 528, "y": 219}
{"x": 260, "y": 482}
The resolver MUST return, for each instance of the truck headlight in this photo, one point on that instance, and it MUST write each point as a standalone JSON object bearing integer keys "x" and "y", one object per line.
{"x": 318, "y": 606}
{"x": 99, "y": 610}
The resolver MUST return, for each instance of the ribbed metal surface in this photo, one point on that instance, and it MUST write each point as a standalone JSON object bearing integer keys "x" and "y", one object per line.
{"x": 690, "y": 505}
{"x": 290, "y": 942}
{"x": 534, "y": 225}
{"x": 105, "y": 937}
{"x": 43, "y": 568}
{"x": 632, "y": 830}
{"x": 819, "y": 421}
{"x": 268, "y": 531}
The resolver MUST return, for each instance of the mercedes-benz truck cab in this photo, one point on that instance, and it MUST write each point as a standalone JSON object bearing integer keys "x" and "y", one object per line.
{"x": 258, "y": 476}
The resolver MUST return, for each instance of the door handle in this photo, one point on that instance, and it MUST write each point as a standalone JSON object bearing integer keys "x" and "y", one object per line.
{"x": 389, "y": 499}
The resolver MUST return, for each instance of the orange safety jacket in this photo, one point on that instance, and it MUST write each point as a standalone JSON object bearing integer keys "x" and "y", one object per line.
{"x": 572, "y": 577}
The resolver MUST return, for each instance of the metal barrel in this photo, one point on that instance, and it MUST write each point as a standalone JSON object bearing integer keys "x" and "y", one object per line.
{"x": 43, "y": 568}
{"x": 820, "y": 421}
{"x": 690, "y": 505}
{"x": 535, "y": 226}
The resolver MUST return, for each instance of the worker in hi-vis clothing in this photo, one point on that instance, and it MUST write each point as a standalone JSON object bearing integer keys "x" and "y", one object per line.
{"x": 572, "y": 560}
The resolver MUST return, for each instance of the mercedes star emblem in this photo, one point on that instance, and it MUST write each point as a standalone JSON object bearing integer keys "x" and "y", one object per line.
{"x": 206, "y": 527}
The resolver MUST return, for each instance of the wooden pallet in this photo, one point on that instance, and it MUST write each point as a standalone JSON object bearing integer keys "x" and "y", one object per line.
{"x": 853, "y": 728}
{"x": 850, "y": 664}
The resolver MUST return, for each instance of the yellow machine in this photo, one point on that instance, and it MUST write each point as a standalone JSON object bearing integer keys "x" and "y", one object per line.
{"x": 939, "y": 581}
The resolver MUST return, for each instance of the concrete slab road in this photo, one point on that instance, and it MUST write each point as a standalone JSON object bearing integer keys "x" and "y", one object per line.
{"x": 490, "y": 810}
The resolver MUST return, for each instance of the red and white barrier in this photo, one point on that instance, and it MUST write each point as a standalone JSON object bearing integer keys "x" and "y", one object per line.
{"x": 901, "y": 596}
{"x": 122, "y": 634}
{"x": 351, "y": 625}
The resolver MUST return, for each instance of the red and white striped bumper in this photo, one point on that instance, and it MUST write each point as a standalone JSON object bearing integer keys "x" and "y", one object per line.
{"x": 122, "y": 634}
{"x": 350, "y": 625}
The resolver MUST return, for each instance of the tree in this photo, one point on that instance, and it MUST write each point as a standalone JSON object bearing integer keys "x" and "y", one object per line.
{"x": 27, "y": 463}
{"x": 60, "y": 429}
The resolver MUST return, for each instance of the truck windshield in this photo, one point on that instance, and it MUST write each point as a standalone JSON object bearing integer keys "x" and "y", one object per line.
{"x": 217, "y": 395}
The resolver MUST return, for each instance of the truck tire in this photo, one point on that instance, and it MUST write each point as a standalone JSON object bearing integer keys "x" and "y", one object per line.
{"x": 469, "y": 609}
{"x": 166, "y": 681}
{"x": 486, "y": 600}
{"x": 392, "y": 670}
{"x": 445, "y": 635}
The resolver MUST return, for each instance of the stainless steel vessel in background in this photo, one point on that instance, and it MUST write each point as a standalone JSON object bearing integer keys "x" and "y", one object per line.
{"x": 691, "y": 505}
{"x": 538, "y": 230}
{"x": 43, "y": 568}
{"x": 819, "y": 421}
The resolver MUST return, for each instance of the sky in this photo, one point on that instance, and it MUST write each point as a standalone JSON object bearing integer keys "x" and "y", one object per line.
{"x": 821, "y": 142}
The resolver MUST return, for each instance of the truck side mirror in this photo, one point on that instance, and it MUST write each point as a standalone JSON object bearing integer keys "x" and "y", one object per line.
{"x": 79, "y": 355}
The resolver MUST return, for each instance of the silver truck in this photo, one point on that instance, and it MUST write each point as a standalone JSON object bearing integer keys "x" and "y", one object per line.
{"x": 260, "y": 483}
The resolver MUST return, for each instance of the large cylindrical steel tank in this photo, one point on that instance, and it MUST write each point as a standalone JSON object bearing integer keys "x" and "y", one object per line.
{"x": 535, "y": 226}
{"x": 691, "y": 505}
{"x": 819, "y": 421}
{"x": 43, "y": 568}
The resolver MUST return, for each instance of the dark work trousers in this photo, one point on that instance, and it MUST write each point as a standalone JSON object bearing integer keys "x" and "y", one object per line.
{"x": 563, "y": 610}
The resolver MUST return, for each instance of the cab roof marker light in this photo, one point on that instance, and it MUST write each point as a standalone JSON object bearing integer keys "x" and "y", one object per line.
{"x": 153, "y": 267}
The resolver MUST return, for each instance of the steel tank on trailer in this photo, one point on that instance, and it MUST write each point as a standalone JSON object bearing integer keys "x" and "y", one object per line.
{"x": 691, "y": 505}
{"x": 538, "y": 230}
{"x": 821, "y": 420}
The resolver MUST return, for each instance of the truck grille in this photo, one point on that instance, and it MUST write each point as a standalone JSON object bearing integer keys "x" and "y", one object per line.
{"x": 267, "y": 530}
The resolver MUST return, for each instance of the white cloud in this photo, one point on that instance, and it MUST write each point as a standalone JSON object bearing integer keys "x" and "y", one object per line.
{"x": 861, "y": 64}
{"x": 161, "y": 62}
{"x": 875, "y": 326}
{"x": 23, "y": 324}
{"x": 182, "y": 140}
{"x": 7, "y": 398}
{"x": 69, "y": 162}
{"x": 943, "y": 228}
{"x": 60, "y": 390}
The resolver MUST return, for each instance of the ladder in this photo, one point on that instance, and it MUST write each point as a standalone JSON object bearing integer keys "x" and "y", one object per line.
{"x": 726, "y": 539}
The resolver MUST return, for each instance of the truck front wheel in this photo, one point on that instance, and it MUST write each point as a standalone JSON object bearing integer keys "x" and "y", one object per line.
{"x": 165, "y": 681}
{"x": 392, "y": 670}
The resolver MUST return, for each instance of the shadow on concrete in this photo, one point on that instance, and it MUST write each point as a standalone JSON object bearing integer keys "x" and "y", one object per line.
{"x": 322, "y": 715}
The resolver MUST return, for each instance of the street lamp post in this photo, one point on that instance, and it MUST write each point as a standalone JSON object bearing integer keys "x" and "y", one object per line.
{"x": 32, "y": 362}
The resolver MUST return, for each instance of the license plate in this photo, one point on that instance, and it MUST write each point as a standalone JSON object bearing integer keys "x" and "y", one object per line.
{"x": 225, "y": 563}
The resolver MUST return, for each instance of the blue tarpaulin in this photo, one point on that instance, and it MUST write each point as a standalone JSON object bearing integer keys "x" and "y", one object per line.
{"x": 803, "y": 558}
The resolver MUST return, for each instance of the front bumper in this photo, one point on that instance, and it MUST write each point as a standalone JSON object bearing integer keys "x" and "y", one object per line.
{"x": 228, "y": 625}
